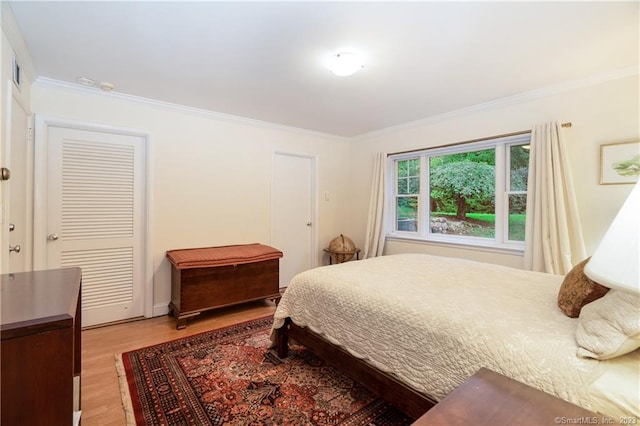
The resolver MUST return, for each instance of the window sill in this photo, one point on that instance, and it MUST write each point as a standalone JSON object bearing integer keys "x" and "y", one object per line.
{"x": 516, "y": 250}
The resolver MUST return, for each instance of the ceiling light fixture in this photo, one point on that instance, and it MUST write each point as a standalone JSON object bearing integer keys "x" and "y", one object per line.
{"x": 344, "y": 64}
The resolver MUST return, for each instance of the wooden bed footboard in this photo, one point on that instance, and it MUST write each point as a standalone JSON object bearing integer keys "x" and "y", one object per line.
{"x": 386, "y": 386}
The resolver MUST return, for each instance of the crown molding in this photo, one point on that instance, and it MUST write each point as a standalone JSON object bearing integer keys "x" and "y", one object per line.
{"x": 20, "y": 50}
{"x": 567, "y": 86}
{"x": 486, "y": 106}
{"x": 45, "y": 82}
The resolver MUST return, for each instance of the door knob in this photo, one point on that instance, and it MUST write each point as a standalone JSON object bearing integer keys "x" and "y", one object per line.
{"x": 308, "y": 223}
{"x": 15, "y": 248}
{"x": 12, "y": 227}
{"x": 52, "y": 237}
{"x": 5, "y": 173}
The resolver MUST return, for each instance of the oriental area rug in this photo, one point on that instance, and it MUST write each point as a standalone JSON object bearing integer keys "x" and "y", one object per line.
{"x": 229, "y": 376}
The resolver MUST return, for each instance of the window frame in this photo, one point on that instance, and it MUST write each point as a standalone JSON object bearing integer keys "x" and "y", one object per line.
{"x": 502, "y": 192}
{"x": 397, "y": 196}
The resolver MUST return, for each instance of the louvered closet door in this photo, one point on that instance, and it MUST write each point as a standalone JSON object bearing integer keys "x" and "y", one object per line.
{"x": 94, "y": 219}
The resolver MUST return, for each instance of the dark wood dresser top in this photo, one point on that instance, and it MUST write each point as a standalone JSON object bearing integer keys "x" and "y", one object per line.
{"x": 33, "y": 302}
{"x": 488, "y": 398}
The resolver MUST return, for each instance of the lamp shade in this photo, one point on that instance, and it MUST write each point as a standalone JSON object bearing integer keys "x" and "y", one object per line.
{"x": 615, "y": 261}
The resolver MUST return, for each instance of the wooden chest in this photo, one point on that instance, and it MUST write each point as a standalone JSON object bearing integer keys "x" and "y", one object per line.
{"x": 213, "y": 277}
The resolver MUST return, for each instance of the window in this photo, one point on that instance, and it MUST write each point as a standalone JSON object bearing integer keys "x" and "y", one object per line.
{"x": 473, "y": 193}
{"x": 408, "y": 190}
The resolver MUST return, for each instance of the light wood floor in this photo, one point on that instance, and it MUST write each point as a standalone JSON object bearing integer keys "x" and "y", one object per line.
{"x": 101, "y": 403}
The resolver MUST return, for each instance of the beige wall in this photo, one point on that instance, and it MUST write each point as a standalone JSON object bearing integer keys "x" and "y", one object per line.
{"x": 601, "y": 110}
{"x": 211, "y": 177}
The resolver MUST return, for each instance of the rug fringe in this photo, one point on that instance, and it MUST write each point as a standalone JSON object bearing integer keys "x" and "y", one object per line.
{"x": 125, "y": 396}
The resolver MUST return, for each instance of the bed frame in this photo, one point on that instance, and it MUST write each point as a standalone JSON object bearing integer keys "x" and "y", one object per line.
{"x": 386, "y": 386}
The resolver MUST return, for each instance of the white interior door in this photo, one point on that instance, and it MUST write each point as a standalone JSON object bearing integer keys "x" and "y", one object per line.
{"x": 19, "y": 218}
{"x": 292, "y": 218}
{"x": 95, "y": 201}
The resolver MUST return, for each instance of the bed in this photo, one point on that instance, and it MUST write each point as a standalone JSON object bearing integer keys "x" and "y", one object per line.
{"x": 416, "y": 326}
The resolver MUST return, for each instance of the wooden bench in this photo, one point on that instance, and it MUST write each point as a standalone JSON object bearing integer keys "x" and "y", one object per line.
{"x": 212, "y": 277}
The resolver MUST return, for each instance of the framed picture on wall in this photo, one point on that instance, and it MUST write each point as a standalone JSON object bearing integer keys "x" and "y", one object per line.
{"x": 619, "y": 163}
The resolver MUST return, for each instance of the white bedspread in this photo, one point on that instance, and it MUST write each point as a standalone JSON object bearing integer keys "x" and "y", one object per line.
{"x": 434, "y": 321}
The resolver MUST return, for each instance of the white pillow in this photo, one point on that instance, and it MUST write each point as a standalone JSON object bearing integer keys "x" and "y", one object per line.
{"x": 610, "y": 326}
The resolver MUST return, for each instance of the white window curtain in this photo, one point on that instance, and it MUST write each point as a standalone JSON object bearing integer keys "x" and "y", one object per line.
{"x": 374, "y": 242}
{"x": 553, "y": 236}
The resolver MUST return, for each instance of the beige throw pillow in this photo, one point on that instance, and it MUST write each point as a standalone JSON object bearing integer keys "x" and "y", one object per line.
{"x": 577, "y": 290}
{"x": 610, "y": 326}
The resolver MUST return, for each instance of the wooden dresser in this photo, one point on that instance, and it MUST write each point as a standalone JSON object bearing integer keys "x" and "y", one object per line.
{"x": 41, "y": 347}
{"x": 488, "y": 398}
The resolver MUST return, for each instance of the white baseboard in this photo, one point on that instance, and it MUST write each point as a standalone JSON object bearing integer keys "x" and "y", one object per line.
{"x": 160, "y": 309}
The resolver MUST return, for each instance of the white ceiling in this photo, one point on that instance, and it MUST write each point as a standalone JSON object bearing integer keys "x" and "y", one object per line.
{"x": 264, "y": 60}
